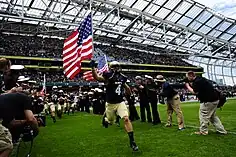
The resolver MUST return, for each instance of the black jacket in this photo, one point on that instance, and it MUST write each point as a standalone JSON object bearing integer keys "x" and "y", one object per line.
{"x": 204, "y": 90}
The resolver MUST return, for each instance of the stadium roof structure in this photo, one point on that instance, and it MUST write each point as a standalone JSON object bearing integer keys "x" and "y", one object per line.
{"x": 153, "y": 25}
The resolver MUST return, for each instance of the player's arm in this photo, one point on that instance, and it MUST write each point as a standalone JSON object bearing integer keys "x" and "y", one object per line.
{"x": 96, "y": 76}
{"x": 127, "y": 89}
{"x": 94, "y": 72}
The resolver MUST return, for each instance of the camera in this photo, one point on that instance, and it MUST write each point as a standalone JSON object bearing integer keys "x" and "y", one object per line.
{"x": 28, "y": 134}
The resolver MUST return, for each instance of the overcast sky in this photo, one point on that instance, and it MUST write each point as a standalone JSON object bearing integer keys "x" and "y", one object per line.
{"x": 225, "y": 7}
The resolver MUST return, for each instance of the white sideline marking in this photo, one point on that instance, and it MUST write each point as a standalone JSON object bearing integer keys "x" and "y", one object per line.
{"x": 195, "y": 127}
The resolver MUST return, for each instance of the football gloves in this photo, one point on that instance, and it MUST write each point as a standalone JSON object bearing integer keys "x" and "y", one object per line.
{"x": 92, "y": 64}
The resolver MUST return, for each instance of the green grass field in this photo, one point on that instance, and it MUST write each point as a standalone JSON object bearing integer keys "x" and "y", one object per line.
{"x": 81, "y": 135}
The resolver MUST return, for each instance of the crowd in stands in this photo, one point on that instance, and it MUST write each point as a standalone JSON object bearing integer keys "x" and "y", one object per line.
{"x": 132, "y": 56}
{"x": 33, "y": 46}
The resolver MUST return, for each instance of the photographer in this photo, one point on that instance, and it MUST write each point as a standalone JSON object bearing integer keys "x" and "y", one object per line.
{"x": 152, "y": 96}
{"x": 173, "y": 101}
{"x": 15, "y": 114}
{"x": 209, "y": 100}
{"x": 143, "y": 97}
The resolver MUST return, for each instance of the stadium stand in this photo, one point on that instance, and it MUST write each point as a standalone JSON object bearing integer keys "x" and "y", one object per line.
{"x": 33, "y": 46}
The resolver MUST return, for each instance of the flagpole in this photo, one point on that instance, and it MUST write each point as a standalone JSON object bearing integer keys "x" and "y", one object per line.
{"x": 45, "y": 82}
{"x": 90, "y": 8}
{"x": 106, "y": 60}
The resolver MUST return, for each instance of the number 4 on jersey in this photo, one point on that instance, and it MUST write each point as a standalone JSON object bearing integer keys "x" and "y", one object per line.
{"x": 118, "y": 89}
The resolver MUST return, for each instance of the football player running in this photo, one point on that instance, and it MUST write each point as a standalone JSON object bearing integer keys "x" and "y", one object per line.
{"x": 115, "y": 83}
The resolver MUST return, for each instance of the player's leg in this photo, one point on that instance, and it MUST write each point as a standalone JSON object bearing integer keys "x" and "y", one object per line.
{"x": 117, "y": 122}
{"x": 53, "y": 116}
{"x": 104, "y": 122}
{"x": 73, "y": 110}
{"x": 52, "y": 109}
{"x": 122, "y": 111}
{"x": 67, "y": 109}
{"x": 109, "y": 115}
{"x": 59, "y": 111}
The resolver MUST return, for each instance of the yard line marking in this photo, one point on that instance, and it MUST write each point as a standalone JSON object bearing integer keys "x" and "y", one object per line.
{"x": 210, "y": 129}
{"x": 195, "y": 127}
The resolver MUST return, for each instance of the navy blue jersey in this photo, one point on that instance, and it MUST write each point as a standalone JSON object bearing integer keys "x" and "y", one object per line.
{"x": 61, "y": 100}
{"x": 115, "y": 83}
{"x": 54, "y": 98}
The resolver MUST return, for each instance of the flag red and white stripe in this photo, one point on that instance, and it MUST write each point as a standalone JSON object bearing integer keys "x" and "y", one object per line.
{"x": 88, "y": 76}
{"x": 78, "y": 47}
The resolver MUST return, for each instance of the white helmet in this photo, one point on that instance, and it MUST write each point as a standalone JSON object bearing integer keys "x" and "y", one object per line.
{"x": 54, "y": 87}
{"x": 114, "y": 63}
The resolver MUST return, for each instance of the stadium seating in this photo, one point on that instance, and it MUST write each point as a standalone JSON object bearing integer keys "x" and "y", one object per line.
{"x": 34, "y": 46}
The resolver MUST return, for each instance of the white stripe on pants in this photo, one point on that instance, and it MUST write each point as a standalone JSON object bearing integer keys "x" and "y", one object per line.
{"x": 207, "y": 113}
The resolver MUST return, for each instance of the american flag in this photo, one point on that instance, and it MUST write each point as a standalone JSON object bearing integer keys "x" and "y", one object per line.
{"x": 102, "y": 67}
{"x": 77, "y": 47}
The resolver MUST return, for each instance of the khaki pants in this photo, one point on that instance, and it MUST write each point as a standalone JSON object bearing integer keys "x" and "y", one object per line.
{"x": 174, "y": 105}
{"x": 207, "y": 113}
{"x": 5, "y": 138}
{"x": 113, "y": 110}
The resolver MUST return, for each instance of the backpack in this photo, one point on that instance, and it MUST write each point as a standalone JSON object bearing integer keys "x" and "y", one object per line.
{"x": 222, "y": 99}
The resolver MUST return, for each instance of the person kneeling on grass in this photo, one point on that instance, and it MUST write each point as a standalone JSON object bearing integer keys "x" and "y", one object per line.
{"x": 15, "y": 113}
{"x": 115, "y": 106}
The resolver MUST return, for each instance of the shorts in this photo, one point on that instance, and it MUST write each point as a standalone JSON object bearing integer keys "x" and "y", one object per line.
{"x": 113, "y": 110}
{"x": 59, "y": 107}
{"x": 52, "y": 108}
{"x": 5, "y": 139}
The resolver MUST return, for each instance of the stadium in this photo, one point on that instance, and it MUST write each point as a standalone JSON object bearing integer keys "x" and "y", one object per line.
{"x": 152, "y": 40}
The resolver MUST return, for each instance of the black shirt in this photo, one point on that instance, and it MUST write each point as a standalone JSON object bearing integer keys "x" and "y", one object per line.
{"x": 12, "y": 106}
{"x": 204, "y": 90}
{"x": 115, "y": 83}
{"x": 152, "y": 91}
{"x": 54, "y": 97}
